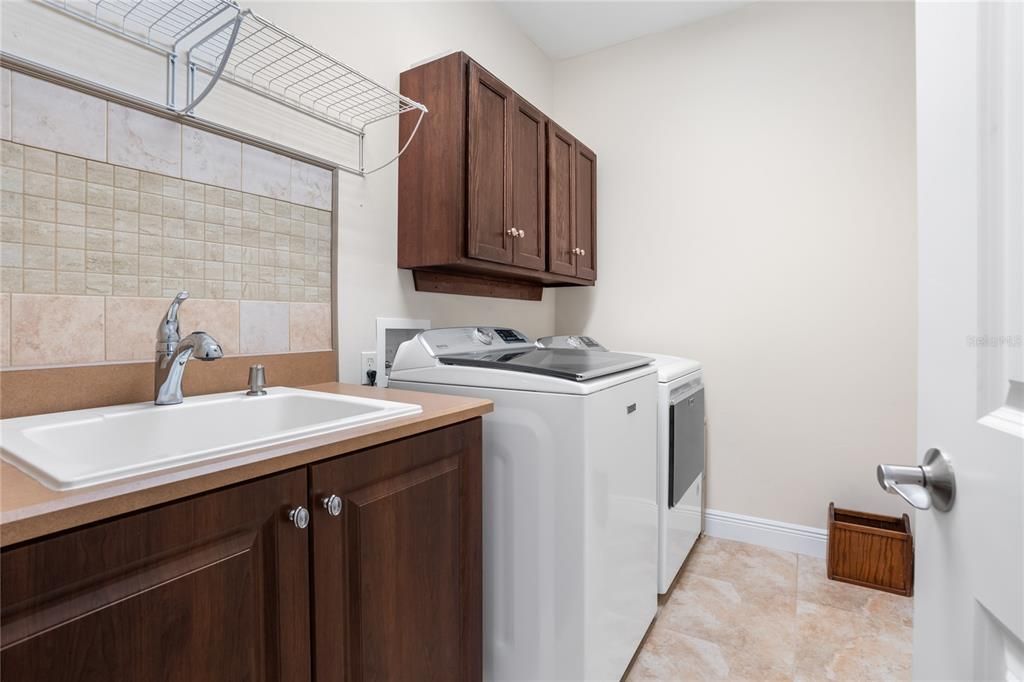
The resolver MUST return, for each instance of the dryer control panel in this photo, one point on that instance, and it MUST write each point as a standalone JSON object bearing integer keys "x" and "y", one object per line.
{"x": 572, "y": 342}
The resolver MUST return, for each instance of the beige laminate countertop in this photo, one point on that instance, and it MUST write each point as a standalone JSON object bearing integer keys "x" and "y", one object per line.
{"x": 29, "y": 510}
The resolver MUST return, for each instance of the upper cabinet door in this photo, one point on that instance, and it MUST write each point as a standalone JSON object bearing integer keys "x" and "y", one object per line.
{"x": 528, "y": 173}
{"x": 215, "y": 587}
{"x": 586, "y": 212}
{"x": 561, "y": 162}
{"x": 491, "y": 105}
{"x": 397, "y": 591}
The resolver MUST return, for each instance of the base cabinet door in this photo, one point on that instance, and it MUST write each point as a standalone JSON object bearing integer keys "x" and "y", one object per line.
{"x": 213, "y": 588}
{"x": 396, "y": 569}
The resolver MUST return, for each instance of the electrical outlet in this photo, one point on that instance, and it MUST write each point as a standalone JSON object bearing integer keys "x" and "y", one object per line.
{"x": 367, "y": 363}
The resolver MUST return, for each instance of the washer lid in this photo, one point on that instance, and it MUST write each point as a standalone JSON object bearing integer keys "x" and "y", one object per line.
{"x": 575, "y": 365}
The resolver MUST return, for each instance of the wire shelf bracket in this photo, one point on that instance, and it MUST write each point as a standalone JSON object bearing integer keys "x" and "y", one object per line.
{"x": 235, "y": 45}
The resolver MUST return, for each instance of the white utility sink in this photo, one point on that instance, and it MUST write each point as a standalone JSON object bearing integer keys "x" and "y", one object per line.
{"x": 69, "y": 450}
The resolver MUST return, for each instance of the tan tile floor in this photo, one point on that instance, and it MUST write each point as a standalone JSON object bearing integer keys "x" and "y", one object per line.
{"x": 743, "y": 612}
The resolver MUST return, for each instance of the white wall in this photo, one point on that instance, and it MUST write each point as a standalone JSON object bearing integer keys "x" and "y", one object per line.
{"x": 756, "y": 211}
{"x": 380, "y": 39}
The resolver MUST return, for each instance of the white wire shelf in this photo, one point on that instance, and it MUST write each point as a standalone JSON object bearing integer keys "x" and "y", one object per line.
{"x": 265, "y": 59}
{"x": 228, "y": 43}
{"x": 159, "y": 24}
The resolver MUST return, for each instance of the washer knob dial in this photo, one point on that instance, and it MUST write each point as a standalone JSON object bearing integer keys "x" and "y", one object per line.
{"x": 483, "y": 336}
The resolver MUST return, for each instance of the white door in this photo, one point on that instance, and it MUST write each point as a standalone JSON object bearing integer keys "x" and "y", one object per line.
{"x": 969, "y": 597}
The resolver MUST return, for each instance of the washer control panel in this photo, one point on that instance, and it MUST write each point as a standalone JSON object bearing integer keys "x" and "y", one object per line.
{"x": 452, "y": 340}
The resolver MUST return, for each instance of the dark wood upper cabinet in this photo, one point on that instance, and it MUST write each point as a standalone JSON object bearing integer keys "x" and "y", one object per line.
{"x": 212, "y": 588}
{"x": 396, "y": 580}
{"x": 586, "y": 212}
{"x": 528, "y": 188}
{"x": 491, "y": 116}
{"x": 476, "y": 209}
{"x": 561, "y": 160}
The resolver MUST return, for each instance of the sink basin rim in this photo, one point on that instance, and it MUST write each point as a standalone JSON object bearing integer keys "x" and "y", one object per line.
{"x": 18, "y": 449}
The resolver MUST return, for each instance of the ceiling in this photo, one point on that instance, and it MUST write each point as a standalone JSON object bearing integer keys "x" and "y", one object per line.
{"x": 563, "y": 28}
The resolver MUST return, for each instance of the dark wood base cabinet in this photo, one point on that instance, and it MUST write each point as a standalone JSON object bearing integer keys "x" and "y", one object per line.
{"x": 226, "y": 586}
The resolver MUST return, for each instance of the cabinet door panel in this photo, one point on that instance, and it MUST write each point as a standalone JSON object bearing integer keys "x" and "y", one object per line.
{"x": 211, "y": 588}
{"x": 489, "y": 182}
{"x": 528, "y": 173}
{"x": 586, "y": 212}
{"x": 561, "y": 162}
{"x": 396, "y": 579}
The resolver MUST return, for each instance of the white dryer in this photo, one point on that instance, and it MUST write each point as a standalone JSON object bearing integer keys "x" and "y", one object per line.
{"x": 681, "y": 440}
{"x": 570, "y": 510}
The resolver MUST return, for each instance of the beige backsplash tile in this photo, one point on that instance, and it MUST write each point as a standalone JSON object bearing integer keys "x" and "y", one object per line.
{"x": 131, "y": 326}
{"x": 211, "y": 159}
{"x": 5, "y": 330}
{"x": 263, "y": 327}
{"x": 5, "y": 104}
{"x": 139, "y": 140}
{"x": 309, "y": 326}
{"x": 56, "y": 330}
{"x": 220, "y": 319}
{"x": 114, "y": 212}
{"x": 52, "y": 117}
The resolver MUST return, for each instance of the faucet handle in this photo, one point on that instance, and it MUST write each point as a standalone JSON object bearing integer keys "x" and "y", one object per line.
{"x": 168, "y": 333}
{"x": 257, "y": 380}
{"x": 172, "y": 312}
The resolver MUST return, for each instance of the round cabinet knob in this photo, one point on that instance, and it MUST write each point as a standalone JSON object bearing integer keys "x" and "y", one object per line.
{"x": 299, "y": 516}
{"x": 512, "y": 231}
{"x": 332, "y": 503}
{"x": 522, "y": 233}
{"x": 583, "y": 252}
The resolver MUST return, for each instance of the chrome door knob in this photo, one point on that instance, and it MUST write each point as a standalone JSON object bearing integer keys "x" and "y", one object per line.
{"x": 511, "y": 231}
{"x": 332, "y": 503}
{"x": 583, "y": 252}
{"x": 930, "y": 485}
{"x": 299, "y": 516}
{"x": 522, "y": 233}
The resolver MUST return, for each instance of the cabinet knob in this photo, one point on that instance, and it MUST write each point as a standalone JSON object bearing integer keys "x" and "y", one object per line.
{"x": 299, "y": 516}
{"x": 583, "y": 252}
{"x": 522, "y": 233}
{"x": 512, "y": 231}
{"x": 332, "y": 503}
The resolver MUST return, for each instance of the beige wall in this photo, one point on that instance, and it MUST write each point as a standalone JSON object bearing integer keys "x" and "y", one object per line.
{"x": 380, "y": 39}
{"x": 756, "y": 209}
{"x": 756, "y": 212}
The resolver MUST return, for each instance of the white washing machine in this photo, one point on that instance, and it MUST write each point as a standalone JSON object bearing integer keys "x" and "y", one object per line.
{"x": 681, "y": 438}
{"x": 570, "y": 509}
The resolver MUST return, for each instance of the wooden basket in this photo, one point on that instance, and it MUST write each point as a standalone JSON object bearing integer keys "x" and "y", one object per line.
{"x": 871, "y": 550}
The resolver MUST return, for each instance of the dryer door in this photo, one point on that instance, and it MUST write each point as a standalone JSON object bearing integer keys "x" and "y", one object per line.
{"x": 685, "y": 444}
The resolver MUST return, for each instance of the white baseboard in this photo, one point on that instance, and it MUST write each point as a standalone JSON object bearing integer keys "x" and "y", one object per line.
{"x": 787, "y": 537}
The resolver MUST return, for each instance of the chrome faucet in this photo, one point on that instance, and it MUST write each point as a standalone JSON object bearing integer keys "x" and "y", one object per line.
{"x": 173, "y": 353}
